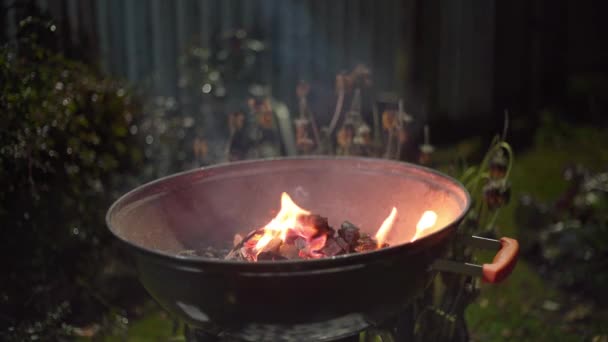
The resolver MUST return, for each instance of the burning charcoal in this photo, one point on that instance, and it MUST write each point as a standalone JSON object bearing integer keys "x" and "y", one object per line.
{"x": 303, "y": 247}
{"x": 349, "y": 232}
{"x": 245, "y": 254}
{"x": 365, "y": 244}
{"x": 310, "y": 237}
{"x": 331, "y": 232}
{"x": 236, "y": 255}
{"x": 273, "y": 246}
{"x": 289, "y": 251}
{"x": 319, "y": 222}
{"x": 343, "y": 244}
{"x": 270, "y": 256}
{"x": 236, "y": 252}
{"x": 332, "y": 248}
{"x": 300, "y": 243}
{"x": 291, "y": 237}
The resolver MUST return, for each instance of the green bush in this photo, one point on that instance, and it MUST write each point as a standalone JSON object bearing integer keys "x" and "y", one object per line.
{"x": 65, "y": 146}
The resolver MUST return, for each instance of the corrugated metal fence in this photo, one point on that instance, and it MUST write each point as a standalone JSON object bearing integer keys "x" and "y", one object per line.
{"x": 308, "y": 39}
{"x": 439, "y": 53}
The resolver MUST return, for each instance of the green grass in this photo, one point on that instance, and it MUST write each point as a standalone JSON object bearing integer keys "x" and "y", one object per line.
{"x": 156, "y": 326}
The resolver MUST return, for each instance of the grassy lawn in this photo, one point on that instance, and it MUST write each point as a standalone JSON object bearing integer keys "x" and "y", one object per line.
{"x": 525, "y": 307}
{"x": 157, "y": 326}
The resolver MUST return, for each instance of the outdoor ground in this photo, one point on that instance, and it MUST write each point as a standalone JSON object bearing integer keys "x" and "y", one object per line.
{"x": 525, "y": 307}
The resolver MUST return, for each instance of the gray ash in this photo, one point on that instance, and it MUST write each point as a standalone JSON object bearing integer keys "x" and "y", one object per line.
{"x": 207, "y": 252}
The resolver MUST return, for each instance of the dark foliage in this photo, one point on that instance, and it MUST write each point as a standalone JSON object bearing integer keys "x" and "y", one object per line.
{"x": 570, "y": 243}
{"x": 65, "y": 146}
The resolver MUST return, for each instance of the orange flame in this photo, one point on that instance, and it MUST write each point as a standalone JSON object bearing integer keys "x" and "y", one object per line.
{"x": 288, "y": 222}
{"x": 427, "y": 221}
{"x": 286, "y": 219}
{"x": 385, "y": 228}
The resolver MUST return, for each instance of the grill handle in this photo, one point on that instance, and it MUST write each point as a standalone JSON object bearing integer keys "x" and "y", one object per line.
{"x": 495, "y": 272}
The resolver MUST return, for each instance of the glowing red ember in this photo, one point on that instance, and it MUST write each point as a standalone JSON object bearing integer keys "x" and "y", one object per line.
{"x": 295, "y": 233}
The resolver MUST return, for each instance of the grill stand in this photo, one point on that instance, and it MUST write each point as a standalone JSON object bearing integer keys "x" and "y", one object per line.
{"x": 399, "y": 328}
